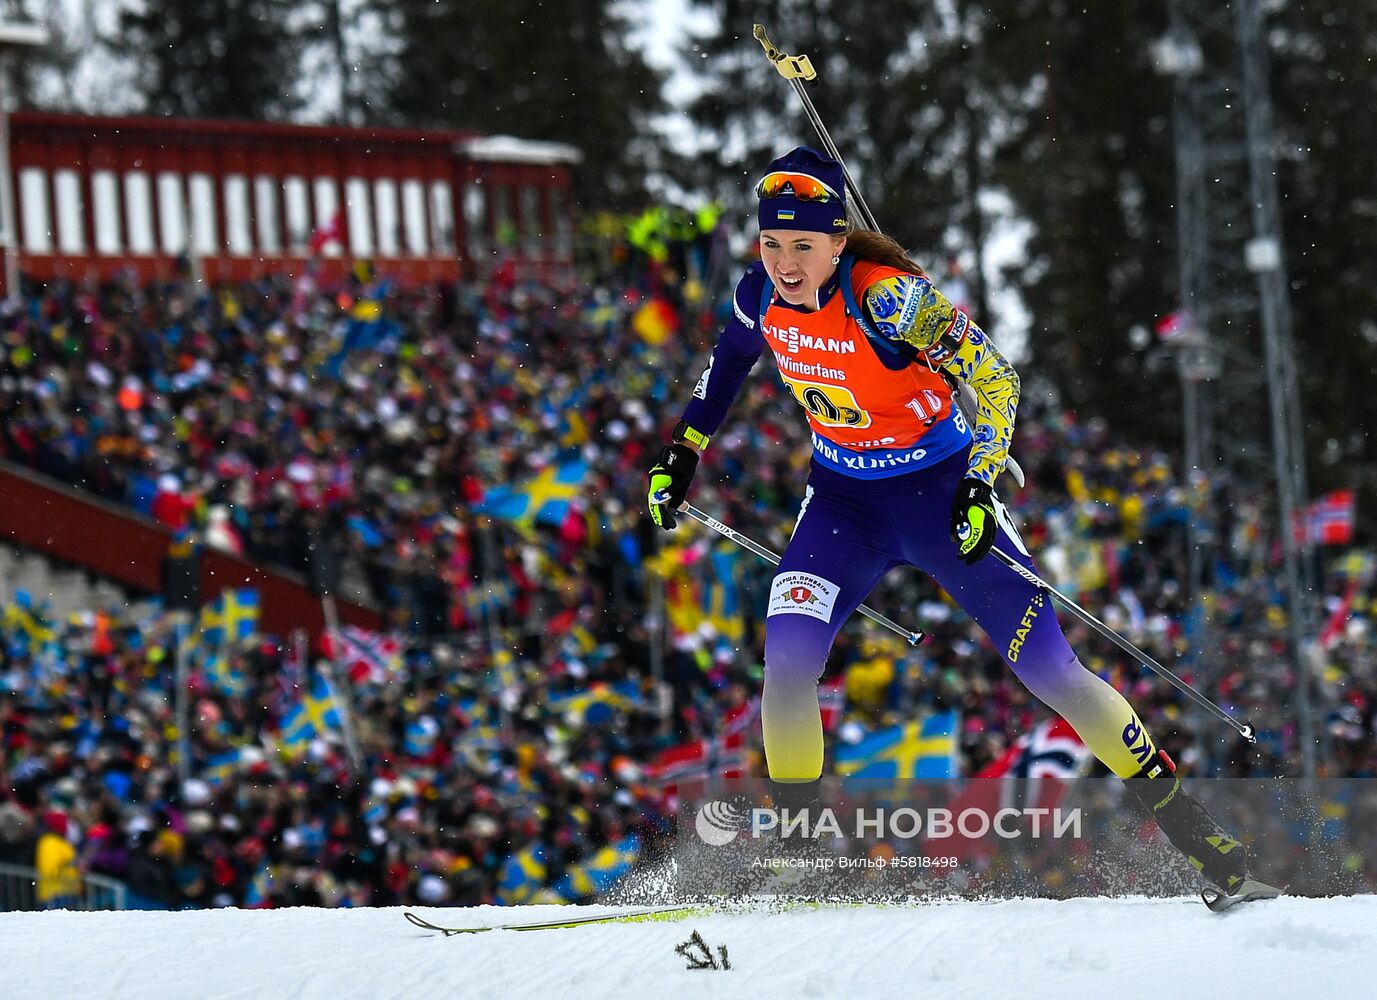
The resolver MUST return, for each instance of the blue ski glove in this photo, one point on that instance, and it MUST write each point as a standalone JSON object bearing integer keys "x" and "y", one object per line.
{"x": 973, "y": 526}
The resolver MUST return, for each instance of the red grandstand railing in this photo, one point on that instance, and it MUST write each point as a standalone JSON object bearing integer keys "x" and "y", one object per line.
{"x": 77, "y": 528}
{"x": 95, "y": 196}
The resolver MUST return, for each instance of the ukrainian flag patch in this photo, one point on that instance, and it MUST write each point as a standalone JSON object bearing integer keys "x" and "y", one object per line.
{"x": 786, "y": 214}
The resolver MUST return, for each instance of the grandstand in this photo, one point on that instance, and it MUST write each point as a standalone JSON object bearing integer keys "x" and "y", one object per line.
{"x": 96, "y": 197}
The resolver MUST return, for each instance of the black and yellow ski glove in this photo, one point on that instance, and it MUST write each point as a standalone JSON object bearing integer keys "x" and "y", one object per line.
{"x": 671, "y": 475}
{"x": 973, "y": 526}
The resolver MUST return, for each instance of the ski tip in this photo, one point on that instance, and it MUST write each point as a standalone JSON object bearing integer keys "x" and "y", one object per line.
{"x": 416, "y": 921}
{"x": 426, "y": 925}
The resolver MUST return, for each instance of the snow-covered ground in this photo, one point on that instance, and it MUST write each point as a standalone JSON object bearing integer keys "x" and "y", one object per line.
{"x": 1100, "y": 948}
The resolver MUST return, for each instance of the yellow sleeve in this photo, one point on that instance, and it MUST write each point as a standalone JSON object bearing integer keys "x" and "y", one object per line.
{"x": 910, "y": 308}
{"x": 976, "y": 360}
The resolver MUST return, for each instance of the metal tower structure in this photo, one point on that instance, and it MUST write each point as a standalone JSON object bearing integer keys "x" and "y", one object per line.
{"x": 1233, "y": 287}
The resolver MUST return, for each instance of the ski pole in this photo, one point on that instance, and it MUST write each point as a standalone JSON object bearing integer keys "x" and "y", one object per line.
{"x": 913, "y": 638}
{"x": 1245, "y": 729}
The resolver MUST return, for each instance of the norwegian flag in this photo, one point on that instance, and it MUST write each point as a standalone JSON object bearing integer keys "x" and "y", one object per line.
{"x": 1036, "y": 773}
{"x": 740, "y": 719}
{"x": 369, "y": 656}
{"x": 681, "y": 762}
{"x": 685, "y": 769}
{"x": 1329, "y": 520}
{"x": 728, "y": 756}
{"x": 832, "y": 702}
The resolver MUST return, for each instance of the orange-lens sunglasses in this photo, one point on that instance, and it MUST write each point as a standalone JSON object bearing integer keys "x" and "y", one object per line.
{"x": 801, "y": 186}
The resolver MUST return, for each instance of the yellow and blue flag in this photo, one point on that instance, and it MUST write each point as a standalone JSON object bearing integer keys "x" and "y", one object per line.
{"x": 258, "y": 893}
{"x": 522, "y": 874}
{"x": 600, "y": 872}
{"x": 232, "y": 617}
{"x": 913, "y": 750}
{"x": 220, "y": 767}
{"x": 223, "y": 672}
{"x": 599, "y": 703}
{"x": 721, "y": 597}
{"x": 27, "y": 625}
{"x": 314, "y": 716}
{"x": 488, "y": 598}
{"x": 544, "y": 498}
{"x": 222, "y": 624}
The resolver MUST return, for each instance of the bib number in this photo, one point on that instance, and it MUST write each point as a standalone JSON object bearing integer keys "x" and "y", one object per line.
{"x": 830, "y": 405}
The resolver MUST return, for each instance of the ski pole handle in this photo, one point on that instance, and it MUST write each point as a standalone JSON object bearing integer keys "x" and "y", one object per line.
{"x": 798, "y": 67}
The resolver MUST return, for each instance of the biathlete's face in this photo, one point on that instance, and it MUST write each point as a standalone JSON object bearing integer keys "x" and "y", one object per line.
{"x": 799, "y": 263}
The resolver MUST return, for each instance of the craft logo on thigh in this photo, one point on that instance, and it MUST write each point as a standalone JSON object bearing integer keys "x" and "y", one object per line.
{"x": 802, "y": 594}
{"x": 1024, "y": 627}
{"x": 1137, "y": 740}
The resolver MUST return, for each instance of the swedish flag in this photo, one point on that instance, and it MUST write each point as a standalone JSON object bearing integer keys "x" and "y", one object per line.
{"x": 258, "y": 892}
{"x": 230, "y": 618}
{"x": 220, "y": 767}
{"x": 721, "y": 601}
{"x": 316, "y": 714}
{"x": 914, "y": 750}
{"x": 522, "y": 874}
{"x": 222, "y": 672}
{"x": 487, "y": 598}
{"x": 600, "y": 872}
{"x": 22, "y": 619}
{"x": 597, "y": 704}
{"x": 544, "y": 498}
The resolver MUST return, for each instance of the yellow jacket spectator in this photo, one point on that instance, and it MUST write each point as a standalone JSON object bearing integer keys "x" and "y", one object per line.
{"x": 59, "y": 881}
{"x": 868, "y": 680}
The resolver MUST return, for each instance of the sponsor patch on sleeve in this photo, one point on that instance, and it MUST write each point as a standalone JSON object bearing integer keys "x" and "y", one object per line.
{"x": 796, "y": 593}
{"x": 950, "y": 341}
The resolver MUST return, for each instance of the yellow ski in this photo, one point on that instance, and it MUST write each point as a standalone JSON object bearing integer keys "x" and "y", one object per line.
{"x": 621, "y": 917}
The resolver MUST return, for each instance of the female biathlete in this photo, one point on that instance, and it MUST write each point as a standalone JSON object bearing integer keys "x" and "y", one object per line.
{"x": 870, "y": 350}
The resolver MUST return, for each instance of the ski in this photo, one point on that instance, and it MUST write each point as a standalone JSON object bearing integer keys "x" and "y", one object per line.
{"x": 1250, "y": 891}
{"x": 622, "y": 917}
